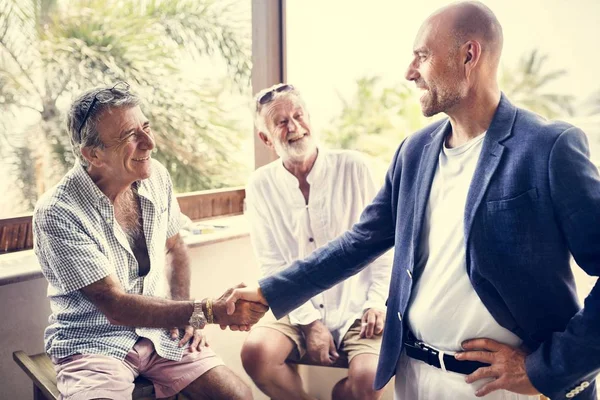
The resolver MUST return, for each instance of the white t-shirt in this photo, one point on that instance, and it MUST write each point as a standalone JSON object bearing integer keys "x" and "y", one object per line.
{"x": 444, "y": 309}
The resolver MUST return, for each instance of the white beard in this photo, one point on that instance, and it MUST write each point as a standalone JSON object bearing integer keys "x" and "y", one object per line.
{"x": 297, "y": 150}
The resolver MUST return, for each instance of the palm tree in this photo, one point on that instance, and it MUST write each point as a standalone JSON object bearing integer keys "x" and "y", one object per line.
{"x": 51, "y": 50}
{"x": 525, "y": 84}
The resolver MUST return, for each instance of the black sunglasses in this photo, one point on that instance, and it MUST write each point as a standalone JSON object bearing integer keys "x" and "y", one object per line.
{"x": 104, "y": 96}
{"x": 268, "y": 96}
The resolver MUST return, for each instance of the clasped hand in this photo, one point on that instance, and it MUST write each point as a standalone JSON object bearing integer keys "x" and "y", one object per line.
{"x": 244, "y": 314}
{"x": 238, "y": 296}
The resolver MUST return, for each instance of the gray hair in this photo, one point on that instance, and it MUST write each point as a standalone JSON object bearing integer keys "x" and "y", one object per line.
{"x": 90, "y": 137}
{"x": 259, "y": 121}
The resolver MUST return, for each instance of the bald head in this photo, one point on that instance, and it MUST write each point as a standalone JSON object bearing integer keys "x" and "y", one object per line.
{"x": 455, "y": 58}
{"x": 472, "y": 20}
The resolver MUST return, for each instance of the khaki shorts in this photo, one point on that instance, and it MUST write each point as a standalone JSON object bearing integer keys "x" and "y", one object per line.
{"x": 352, "y": 344}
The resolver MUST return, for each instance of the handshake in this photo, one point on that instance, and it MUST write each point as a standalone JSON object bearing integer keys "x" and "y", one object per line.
{"x": 238, "y": 308}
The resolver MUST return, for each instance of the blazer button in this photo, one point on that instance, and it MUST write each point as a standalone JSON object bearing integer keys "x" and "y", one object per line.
{"x": 409, "y": 273}
{"x": 584, "y": 384}
{"x": 399, "y": 316}
{"x": 570, "y": 395}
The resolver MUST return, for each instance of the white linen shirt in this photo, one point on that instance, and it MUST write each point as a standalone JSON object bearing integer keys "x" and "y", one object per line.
{"x": 283, "y": 228}
{"x": 78, "y": 241}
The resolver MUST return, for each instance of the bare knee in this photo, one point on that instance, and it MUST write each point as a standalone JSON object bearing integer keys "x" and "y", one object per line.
{"x": 258, "y": 355}
{"x": 254, "y": 357}
{"x": 361, "y": 382}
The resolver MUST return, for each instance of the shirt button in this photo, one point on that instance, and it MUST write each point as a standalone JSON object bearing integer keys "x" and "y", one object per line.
{"x": 409, "y": 273}
{"x": 108, "y": 220}
{"x": 311, "y": 240}
{"x": 321, "y": 305}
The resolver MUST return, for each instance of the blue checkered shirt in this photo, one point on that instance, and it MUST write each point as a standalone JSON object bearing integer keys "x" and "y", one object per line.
{"x": 78, "y": 241}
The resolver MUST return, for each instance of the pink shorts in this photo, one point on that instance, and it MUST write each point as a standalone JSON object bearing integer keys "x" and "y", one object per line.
{"x": 86, "y": 376}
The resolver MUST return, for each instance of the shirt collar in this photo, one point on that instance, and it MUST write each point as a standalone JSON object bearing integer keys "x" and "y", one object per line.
{"x": 314, "y": 176}
{"x": 86, "y": 185}
{"x": 83, "y": 180}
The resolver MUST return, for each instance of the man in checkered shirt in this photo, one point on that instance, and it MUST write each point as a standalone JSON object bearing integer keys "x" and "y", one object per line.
{"x": 107, "y": 240}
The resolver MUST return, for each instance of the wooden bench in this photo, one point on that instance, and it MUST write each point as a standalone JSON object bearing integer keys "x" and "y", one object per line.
{"x": 40, "y": 370}
{"x": 341, "y": 362}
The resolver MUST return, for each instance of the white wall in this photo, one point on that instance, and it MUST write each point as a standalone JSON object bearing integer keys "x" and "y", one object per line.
{"x": 25, "y": 309}
{"x": 23, "y": 317}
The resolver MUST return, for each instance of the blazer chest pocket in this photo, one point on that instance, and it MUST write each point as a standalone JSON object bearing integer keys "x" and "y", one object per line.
{"x": 512, "y": 220}
{"x": 522, "y": 200}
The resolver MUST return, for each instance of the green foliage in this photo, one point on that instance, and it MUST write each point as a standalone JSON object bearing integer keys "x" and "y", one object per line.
{"x": 376, "y": 119}
{"x": 526, "y": 85}
{"x": 50, "y": 51}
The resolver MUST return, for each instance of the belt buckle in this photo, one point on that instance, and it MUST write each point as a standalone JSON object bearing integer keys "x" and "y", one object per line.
{"x": 420, "y": 345}
{"x": 432, "y": 354}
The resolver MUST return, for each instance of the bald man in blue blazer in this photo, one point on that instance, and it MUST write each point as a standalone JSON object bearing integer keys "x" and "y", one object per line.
{"x": 484, "y": 210}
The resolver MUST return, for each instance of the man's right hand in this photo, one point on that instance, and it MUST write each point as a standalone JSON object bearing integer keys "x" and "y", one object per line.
{"x": 319, "y": 343}
{"x": 241, "y": 292}
{"x": 243, "y": 316}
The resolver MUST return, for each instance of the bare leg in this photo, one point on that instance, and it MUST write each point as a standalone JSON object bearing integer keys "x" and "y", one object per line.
{"x": 219, "y": 383}
{"x": 263, "y": 357}
{"x": 359, "y": 383}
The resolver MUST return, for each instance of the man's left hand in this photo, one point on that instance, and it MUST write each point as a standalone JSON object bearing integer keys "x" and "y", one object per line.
{"x": 199, "y": 339}
{"x": 507, "y": 366}
{"x": 372, "y": 323}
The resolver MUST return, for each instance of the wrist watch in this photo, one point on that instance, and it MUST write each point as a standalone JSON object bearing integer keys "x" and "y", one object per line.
{"x": 197, "y": 320}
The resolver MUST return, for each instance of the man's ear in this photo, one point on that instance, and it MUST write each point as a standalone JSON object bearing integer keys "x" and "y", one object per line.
{"x": 471, "y": 54}
{"x": 265, "y": 139}
{"x": 91, "y": 155}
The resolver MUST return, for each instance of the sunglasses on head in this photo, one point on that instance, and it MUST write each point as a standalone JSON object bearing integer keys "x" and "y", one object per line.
{"x": 103, "y": 96}
{"x": 268, "y": 96}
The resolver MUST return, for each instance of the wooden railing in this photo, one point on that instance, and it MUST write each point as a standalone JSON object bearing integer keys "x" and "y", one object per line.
{"x": 16, "y": 234}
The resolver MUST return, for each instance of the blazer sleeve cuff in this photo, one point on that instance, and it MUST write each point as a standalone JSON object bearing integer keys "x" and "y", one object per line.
{"x": 540, "y": 377}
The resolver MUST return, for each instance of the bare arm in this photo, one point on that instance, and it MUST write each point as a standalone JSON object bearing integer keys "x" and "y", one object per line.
{"x": 121, "y": 308}
{"x": 178, "y": 268}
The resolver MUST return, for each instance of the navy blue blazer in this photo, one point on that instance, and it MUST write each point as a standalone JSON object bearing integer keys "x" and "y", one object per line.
{"x": 534, "y": 200}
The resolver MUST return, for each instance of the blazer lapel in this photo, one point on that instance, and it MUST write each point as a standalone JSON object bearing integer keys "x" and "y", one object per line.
{"x": 427, "y": 167}
{"x": 491, "y": 154}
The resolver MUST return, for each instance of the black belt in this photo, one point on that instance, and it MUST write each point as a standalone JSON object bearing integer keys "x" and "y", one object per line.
{"x": 420, "y": 351}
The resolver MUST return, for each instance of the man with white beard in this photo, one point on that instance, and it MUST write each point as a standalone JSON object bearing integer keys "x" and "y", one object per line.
{"x": 296, "y": 204}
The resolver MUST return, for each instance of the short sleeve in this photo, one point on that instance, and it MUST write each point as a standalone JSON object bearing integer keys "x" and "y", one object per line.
{"x": 68, "y": 253}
